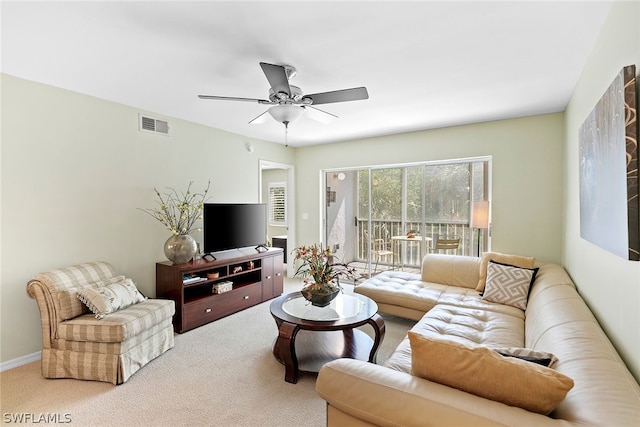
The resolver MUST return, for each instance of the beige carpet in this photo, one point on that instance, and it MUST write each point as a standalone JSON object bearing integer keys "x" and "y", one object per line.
{"x": 221, "y": 374}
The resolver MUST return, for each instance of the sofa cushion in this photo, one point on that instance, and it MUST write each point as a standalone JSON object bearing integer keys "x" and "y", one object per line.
{"x": 71, "y": 306}
{"x": 483, "y": 372}
{"x": 403, "y": 289}
{"x": 459, "y": 271}
{"x": 508, "y": 285}
{"x": 464, "y": 325}
{"x": 103, "y": 300}
{"x": 559, "y": 321}
{"x": 400, "y": 289}
{"x": 515, "y": 260}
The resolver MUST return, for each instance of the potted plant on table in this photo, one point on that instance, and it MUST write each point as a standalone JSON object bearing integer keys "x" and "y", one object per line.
{"x": 321, "y": 274}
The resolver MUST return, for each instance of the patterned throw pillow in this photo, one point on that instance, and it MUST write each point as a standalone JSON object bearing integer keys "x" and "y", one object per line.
{"x": 515, "y": 260}
{"x": 540, "y": 357}
{"x": 111, "y": 298}
{"x": 71, "y": 306}
{"x": 509, "y": 285}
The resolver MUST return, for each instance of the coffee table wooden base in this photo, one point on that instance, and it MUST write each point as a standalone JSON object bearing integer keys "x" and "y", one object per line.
{"x": 307, "y": 350}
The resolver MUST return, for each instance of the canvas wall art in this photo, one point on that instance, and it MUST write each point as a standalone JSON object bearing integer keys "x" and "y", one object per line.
{"x": 608, "y": 140}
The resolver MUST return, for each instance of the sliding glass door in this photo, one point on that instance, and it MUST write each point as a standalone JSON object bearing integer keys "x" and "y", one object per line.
{"x": 402, "y": 212}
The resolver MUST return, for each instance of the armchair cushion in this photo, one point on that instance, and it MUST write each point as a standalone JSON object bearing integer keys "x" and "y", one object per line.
{"x": 103, "y": 300}
{"x": 119, "y": 326}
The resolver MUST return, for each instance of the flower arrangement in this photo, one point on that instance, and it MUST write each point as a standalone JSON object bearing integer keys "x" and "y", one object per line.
{"x": 316, "y": 263}
{"x": 178, "y": 212}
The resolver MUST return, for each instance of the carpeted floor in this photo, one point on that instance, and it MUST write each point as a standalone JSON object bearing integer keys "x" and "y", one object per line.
{"x": 221, "y": 374}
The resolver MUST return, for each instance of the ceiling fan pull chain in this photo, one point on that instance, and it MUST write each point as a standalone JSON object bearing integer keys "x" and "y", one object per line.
{"x": 286, "y": 134}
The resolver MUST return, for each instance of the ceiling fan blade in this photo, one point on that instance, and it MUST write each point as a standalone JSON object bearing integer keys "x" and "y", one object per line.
{"x": 343, "y": 95}
{"x": 262, "y": 118}
{"x": 319, "y": 115}
{"x": 233, "y": 98}
{"x": 277, "y": 76}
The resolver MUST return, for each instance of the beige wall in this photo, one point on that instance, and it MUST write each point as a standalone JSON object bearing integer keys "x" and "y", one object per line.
{"x": 527, "y": 175}
{"x": 74, "y": 170}
{"x": 609, "y": 284}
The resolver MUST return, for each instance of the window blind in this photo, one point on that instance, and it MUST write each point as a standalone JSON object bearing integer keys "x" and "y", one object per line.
{"x": 277, "y": 203}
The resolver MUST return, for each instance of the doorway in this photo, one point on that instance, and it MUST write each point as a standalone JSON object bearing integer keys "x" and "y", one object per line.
{"x": 278, "y": 192}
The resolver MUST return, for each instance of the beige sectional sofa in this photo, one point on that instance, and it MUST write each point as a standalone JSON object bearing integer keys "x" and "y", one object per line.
{"x": 450, "y": 311}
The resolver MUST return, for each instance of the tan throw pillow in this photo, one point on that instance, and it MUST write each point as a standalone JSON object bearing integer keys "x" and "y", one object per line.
{"x": 508, "y": 285}
{"x": 483, "y": 372}
{"x": 111, "y": 298}
{"x": 515, "y": 260}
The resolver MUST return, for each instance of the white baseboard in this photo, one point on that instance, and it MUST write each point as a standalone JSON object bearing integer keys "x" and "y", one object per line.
{"x": 10, "y": 364}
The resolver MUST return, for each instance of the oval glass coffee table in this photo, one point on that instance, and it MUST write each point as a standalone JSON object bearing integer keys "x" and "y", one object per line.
{"x": 309, "y": 336}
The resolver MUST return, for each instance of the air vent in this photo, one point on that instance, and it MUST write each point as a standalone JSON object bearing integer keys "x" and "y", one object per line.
{"x": 149, "y": 124}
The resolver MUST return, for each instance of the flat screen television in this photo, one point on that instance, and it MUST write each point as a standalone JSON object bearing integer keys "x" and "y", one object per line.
{"x": 233, "y": 225}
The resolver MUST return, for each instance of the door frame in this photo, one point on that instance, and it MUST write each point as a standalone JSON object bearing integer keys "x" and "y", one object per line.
{"x": 487, "y": 182}
{"x": 291, "y": 229}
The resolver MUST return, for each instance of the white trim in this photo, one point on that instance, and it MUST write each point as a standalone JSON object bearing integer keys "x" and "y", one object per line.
{"x": 472, "y": 159}
{"x": 322, "y": 207}
{"x": 291, "y": 203}
{"x": 24, "y": 360}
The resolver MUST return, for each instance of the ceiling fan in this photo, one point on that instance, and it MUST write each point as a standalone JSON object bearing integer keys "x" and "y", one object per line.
{"x": 289, "y": 102}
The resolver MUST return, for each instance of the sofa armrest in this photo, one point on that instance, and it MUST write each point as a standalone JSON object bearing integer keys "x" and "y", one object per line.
{"x": 386, "y": 397}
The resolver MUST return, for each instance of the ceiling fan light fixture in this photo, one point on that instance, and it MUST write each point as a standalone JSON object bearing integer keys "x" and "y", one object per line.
{"x": 285, "y": 113}
{"x": 289, "y": 101}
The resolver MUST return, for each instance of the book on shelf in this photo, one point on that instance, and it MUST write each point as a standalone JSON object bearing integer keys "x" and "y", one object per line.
{"x": 188, "y": 279}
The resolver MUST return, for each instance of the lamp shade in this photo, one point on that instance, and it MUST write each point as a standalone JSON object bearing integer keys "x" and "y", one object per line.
{"x": 479, "y": 214}
{"x": 285, "y": 113}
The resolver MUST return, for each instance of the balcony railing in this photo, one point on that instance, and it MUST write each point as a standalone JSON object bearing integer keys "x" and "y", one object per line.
{"x": 409, "y": 253}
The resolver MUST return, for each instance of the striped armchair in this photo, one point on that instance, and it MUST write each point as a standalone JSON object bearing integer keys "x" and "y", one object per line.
{"x": 78, "y": 345}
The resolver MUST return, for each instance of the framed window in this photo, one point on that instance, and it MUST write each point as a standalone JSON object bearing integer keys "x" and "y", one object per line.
{"x": 278, "y": 203}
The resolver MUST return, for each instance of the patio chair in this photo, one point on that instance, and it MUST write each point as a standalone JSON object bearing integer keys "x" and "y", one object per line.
{"x": 447, "y": 243}
{"x": 379, "y": 249}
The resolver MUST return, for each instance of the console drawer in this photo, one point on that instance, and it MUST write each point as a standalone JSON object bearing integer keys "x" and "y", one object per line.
{"x": 205, "y": 310}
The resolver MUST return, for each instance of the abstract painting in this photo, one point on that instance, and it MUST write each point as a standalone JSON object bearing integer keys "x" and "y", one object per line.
{"x": 608, "y": 144}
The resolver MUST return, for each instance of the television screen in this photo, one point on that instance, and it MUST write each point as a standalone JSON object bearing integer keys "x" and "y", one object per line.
{"x": 231, "y": 226}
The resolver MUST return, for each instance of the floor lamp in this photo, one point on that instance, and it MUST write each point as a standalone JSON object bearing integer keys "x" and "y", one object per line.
{"x": 479, "y": 217}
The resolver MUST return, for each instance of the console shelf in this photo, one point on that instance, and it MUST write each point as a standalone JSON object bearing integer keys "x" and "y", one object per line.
{"x": 255, "y": 277}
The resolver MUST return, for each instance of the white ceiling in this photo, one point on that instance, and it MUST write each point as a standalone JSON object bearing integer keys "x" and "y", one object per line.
{"x": 425, "y": 64}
